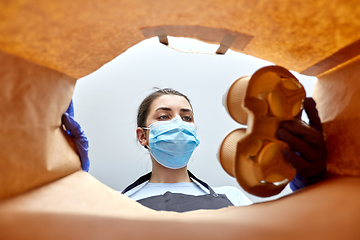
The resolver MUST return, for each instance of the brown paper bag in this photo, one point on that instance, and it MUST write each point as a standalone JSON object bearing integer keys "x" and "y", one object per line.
{"x": 337, "y": 94}
{"x": 34, "y": 149}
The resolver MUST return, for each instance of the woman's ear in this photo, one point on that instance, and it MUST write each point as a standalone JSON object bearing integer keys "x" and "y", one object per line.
{"x": 142, "y": 136}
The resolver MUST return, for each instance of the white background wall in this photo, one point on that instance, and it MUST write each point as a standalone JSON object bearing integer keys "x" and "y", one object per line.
{"x": 106, "y": 103}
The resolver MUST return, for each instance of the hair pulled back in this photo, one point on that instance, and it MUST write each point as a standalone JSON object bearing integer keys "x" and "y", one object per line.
{"x": 144, "y": 107}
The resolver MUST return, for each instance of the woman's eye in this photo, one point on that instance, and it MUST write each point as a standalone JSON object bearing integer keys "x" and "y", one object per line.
{"x": 163, "y": 117}
{"x": 187, "y": 118}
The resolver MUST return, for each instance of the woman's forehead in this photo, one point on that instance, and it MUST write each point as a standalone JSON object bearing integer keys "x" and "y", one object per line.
{"x": 170, "y": 101}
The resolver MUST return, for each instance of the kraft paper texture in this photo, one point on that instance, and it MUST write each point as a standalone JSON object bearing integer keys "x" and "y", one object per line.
{"x": 77, "y": 37}
{"x": 47, "y": 45}
{"x": 34, "y": 149}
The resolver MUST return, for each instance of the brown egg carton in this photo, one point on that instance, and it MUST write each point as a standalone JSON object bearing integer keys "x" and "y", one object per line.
{"x": 253, "y": 155}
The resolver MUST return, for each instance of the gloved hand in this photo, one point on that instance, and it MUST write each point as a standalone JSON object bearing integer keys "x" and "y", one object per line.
{"x": 308, "y": 148}
{"x": 78, "y": 136}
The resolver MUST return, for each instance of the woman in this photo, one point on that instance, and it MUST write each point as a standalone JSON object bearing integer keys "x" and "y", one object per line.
{"x": 166, "y": 129}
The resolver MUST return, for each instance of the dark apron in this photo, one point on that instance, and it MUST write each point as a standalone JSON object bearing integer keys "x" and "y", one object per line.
{"x": 179, "y": 202}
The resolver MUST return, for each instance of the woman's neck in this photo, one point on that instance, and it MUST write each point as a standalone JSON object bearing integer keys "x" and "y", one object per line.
{"x": 161, "y": 174}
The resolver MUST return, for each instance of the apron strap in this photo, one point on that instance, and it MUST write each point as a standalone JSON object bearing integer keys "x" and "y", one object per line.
{"x": 147, "y": 177}
{"x": 140, "y": 180}
{"x": 212, "y": 192}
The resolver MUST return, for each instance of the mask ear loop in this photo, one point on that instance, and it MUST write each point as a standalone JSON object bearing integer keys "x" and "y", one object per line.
{"x": 146, "y": 146}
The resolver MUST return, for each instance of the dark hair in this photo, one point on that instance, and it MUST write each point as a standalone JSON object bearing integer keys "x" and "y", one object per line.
{"x": 144, "y": 107}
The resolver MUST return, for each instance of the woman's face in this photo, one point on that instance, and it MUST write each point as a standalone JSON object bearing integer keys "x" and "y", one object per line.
{"x": 166, "y": 107}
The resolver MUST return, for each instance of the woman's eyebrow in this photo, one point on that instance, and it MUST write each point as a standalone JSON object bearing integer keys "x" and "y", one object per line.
{"x": 163, "y": 108}
{"x": 169, "y": 109}
{"x": 185, "y": 110}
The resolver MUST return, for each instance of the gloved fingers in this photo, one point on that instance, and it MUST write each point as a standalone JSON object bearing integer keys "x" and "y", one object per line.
{"x": 71, "y": 125}
{"x": 294, "y": 159}
{"x": 85, "y": 165}
{"x": 308, "y": 152}
{"x": 70, "y": 109}
{"x": 79, "y": 138}
{"x": 302, "y": 131}
{"x": 82, "y": 145}
{"x": 300, "y": 145}
{"x": 303, "y": 167}
{"x": 309, "y": 106}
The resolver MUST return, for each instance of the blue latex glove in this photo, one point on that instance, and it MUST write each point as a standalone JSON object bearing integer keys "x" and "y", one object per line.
{"x": 78, "y": 136}
{"x": 308, "y": 148}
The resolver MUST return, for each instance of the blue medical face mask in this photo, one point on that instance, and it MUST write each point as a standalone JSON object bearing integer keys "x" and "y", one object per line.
{"x": 172, "y": 142}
